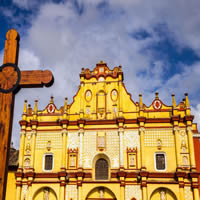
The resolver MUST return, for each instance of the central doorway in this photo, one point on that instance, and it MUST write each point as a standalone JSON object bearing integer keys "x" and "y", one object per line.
{"x": 101, "y": 193}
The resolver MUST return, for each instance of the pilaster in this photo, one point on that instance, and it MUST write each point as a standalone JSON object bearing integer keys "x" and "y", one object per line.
{"x": 34, "y": 133}
{"x": 177, "y": 147}
{"x": 64, "y": 146}
{"x": 191, "y": 148}
{"x": 21, "y": 149}
{"x": 142, "y": 131}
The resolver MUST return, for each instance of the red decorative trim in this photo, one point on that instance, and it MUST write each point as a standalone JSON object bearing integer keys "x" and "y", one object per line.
{"x": 46, "y": 175}
{"x": 181, "y": 174}
{"x": 161, "y": 175}
{"x": 62, "y": 184}
{"x": 18, "y": 174}
{"x": 62, "y": 174}
{"x": 141, "y": 119}
{"x": 189, "y": 117}
{"x": 144, "y": 173}
{"x": 131, "y": 175}
{"x": 34, "y": 122}
{"x": 121, "y": 174}
{"x": 81, "y": 121}
{"x": 79, "y": 174}
{"x": 23, "y": 123}
{"x": 64, "y": 121}
{"x": 194, "y": 174}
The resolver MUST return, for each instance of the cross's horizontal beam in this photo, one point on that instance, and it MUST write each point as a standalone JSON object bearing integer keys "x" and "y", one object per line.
{"x": 36, "y": 78}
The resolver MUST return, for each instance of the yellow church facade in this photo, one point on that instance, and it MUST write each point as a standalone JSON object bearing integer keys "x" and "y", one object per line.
{"x": 106, "y": 146}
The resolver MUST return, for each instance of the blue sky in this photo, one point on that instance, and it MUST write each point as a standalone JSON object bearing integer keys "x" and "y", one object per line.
{"x": 156, "y": 42}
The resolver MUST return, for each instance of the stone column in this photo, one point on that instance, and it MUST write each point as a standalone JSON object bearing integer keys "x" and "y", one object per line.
{"x": 177, "y": 146}
{"x": 81, "y": 132}
{"x": 122, "y": 192}
{"x": 64, "y": 146}
{"x": 34, "y": 133}
{"x": 181, "y": 190}
{"x": 62, "y": 188}
{"x": 120, "y": 98}
{"x": 142, "y": 131}
{"x": 121, "y": 147}
{"x": 196, "y": 193}
{"x": 18, "y": 191}
{"x": 21, "y": 149}
{"x": 191, "y": 147}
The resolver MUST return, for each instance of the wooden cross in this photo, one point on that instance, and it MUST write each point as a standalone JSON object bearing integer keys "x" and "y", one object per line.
{"x": 11, "y": 78}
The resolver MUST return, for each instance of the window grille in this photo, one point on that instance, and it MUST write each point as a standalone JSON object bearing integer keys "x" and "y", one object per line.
{"x": 160, "y": 161}
{"x": 48, "y": 162}
{"x": 101, "y": 169}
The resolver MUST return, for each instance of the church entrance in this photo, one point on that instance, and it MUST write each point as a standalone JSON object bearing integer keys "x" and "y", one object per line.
{"x": 101, "y": 193}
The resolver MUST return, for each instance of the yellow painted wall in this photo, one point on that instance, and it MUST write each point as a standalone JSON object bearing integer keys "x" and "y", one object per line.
{"x": 11, "y": 186}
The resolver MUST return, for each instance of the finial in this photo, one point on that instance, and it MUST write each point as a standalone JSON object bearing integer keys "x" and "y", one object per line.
{"x": 156, "y": 94}
{"x": 65, "y": 106}
{"x": 187, "y": 100}
{"x": 51, "y": 101}
{"x": 173, "y": 101}
{"x": 140, "y": 101}
{"x": 36, "y": 108}
{"x": 101, "y": 62}
{"x": 25, "y": 107}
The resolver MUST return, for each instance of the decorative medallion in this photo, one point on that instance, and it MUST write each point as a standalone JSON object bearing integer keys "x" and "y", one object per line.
{"x": 157, "y": 104}
{"x": 88, "y": 95}
{"x": 51, "y": 108}
{"x": 114, "y": 95}
{"x": 88, "y": 111}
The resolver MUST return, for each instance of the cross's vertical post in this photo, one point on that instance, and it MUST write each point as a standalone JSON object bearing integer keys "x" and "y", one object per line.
{"x": 11, "y": 78}
{"x": 7, "y": 106}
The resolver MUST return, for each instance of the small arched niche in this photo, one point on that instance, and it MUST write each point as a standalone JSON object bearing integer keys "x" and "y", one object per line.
{"x": 163, "y": 194}
{"x": 45, "y": 193}
{"x": 101, "y": 193}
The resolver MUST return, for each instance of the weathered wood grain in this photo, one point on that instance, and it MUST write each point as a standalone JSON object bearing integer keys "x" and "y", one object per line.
{"x": 8, "y": 77}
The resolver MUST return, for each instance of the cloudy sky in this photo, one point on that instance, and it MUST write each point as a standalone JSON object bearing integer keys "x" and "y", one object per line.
{"x": 156, "y": 42}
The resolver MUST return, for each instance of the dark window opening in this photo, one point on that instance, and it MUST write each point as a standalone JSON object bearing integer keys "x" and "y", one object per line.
{"x": 160, "y": 161}
{"x": 101, "y": 169}
{"x": 48, "y": 162}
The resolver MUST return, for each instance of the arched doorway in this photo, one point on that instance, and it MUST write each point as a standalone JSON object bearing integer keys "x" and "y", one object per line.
{"x": 163, "y": 194}
{"x": 45, "y": 193}
{"x": 101, "y": 193}
{"x": 101, "y": 169}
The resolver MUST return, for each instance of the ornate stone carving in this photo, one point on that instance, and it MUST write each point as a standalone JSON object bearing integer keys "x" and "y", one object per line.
{"x": 162, "y": 195}
{"x": 28, "y": 148}
{"x": 46, "y": 194}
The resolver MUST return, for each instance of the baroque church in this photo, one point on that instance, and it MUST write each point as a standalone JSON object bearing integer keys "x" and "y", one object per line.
{"x": 106, "y": 146}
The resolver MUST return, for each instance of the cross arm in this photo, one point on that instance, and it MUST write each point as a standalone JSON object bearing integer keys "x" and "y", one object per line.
{"x": 36, "y": 78}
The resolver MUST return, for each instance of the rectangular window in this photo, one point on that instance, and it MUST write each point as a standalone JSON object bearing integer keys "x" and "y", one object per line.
{"x": 48, "y": 164}
{"x": 160, "y": 161}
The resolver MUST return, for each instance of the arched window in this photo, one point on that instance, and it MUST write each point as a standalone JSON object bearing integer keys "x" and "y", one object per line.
{"x": 101, "y": 169}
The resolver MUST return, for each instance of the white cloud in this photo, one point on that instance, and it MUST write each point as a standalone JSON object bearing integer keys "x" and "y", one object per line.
{"x": 64, "y": 41}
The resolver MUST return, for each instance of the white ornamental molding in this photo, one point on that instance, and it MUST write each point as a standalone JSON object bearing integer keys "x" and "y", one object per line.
{"x": 176, "y": 129}
{"x": 33, "y": 132}
{"x": 141, "y": 129}
{"x": 189, "y": 128}
{"x": 64, "y": 132}
{"x": 22, "y": 133}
